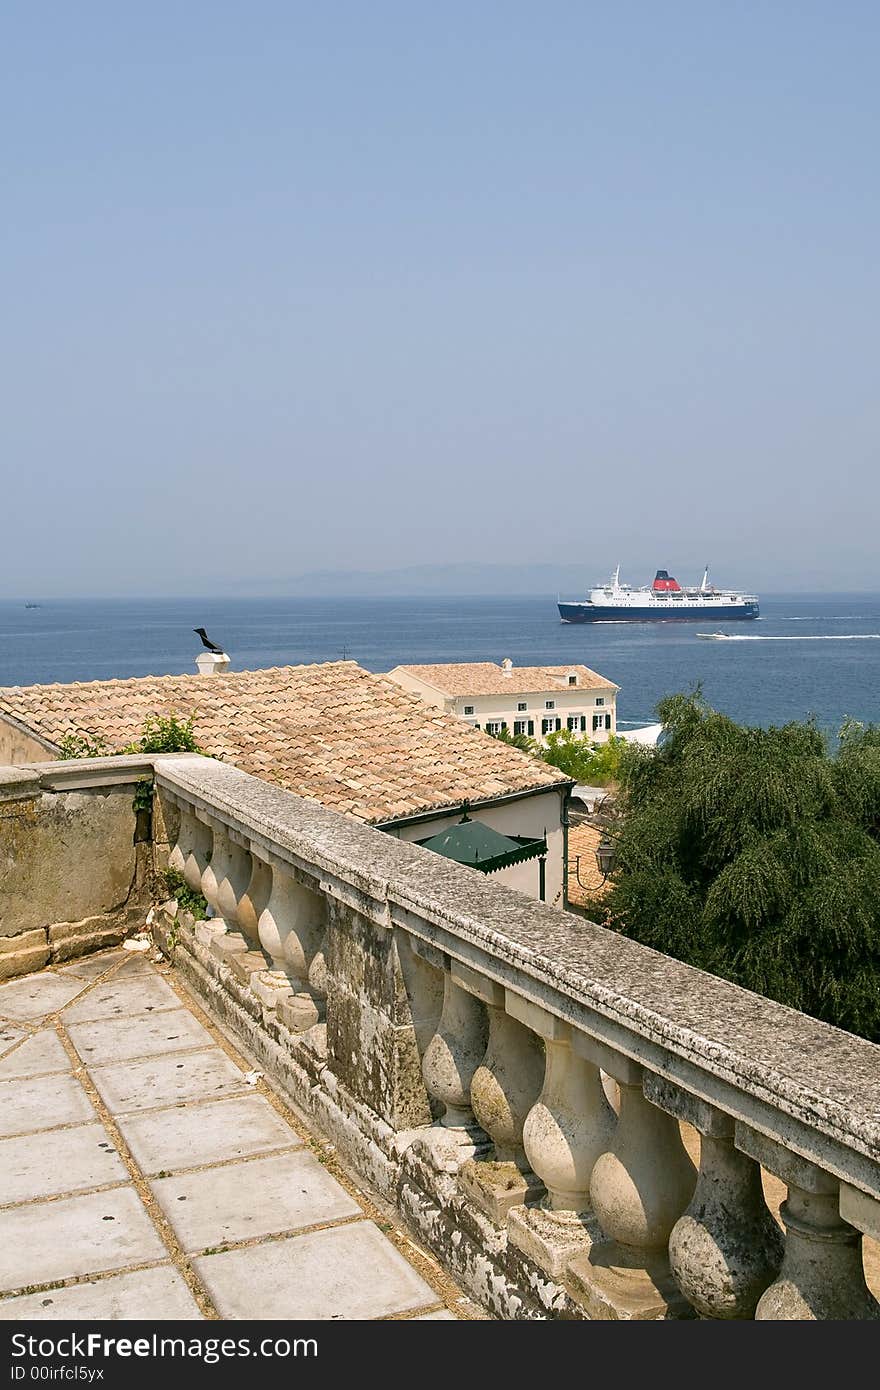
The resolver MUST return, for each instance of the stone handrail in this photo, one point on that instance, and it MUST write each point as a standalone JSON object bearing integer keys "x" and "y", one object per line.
{"x": 529, "y": 1070}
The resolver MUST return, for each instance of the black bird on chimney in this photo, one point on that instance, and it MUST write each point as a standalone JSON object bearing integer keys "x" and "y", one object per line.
{"x": 206, "y": 641}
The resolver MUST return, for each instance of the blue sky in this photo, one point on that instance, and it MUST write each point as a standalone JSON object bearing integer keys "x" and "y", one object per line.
{"x": 293, "y": 287}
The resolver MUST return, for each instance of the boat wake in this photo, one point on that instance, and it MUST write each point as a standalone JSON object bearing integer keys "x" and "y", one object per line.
{"x": 824, "y": 637}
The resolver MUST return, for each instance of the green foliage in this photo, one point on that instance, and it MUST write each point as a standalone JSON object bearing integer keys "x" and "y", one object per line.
{"x": 520, "y": 741}
{"x": 755, "y": 854}
{"x": 176, "y": 886}
{"x": 84, "y": 745}
{"x": 596, "y": 764}
{"x": 143, "y": 794}
{"x": 165, "y": 734}
{"x": 577, "y": 755}
{"x": 159, "y": 734}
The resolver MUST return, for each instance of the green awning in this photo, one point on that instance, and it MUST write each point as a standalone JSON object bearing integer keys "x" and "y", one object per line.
{"x": 480, "y": 847}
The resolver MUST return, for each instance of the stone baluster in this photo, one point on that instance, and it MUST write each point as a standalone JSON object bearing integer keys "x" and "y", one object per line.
{"x": 208, "y": 883}
{"x": 564, "y": 1133}
{"x": 253, "y": 900}
{"x": 726, "y": 1248}
{"x": 822, "y": 1275}
{"x": 639, "y": 1188}
{"x": 504, "y": 1088}
{"x": 454, "y": 1054}
{"x": 178, "y": 851}
{"x": 317, "y": 979}
{"x": 232, "y": 870}
{"x": 189, "y": 856}
{"x": 291, "y": 928}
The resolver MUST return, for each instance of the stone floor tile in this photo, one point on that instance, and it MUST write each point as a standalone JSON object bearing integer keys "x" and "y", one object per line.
{"x": 185, "y": 1136}
{"x": 60, "y": 1160}
{"x": 38, "y": 1055}
{"x": 167, "y": 1080}
{"x": 125, "y": 998}
{"x": 30, "y": 1104}
{"x": 262, "y": 1197}
{"x": 91, "y": 967}
{"x": 81, "y": 1235}
{"x": 34, "y": 996}
{"x": 9, "y": 1036}
{"x": 135, "y": 963}
{"x": 158, "y": 1294}
{"x": 147, "y": 1035}
{"x": 345, "y": 1272}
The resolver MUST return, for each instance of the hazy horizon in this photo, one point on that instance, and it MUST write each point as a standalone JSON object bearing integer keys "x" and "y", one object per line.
{"x": 305, "y": 291}
{"x": 336, "y": 585}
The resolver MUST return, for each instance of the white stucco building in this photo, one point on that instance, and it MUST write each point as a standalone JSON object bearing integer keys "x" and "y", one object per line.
{"x": 531, "y": 700}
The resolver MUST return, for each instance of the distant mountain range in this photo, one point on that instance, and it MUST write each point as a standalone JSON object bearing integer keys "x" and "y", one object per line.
{"x": 544, "y": 580}
{"x": 437, "y": 580}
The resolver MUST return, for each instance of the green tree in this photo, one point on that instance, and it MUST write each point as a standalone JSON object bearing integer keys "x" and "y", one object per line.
{"x": 594, "y": 764}
{"x": 755, "y": 854}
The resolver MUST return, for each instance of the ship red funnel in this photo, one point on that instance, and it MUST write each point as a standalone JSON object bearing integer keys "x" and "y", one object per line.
{"x": 665, "y": 584}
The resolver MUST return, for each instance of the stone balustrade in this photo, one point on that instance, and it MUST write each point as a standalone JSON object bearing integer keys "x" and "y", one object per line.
{"x": 462, "y": 1045}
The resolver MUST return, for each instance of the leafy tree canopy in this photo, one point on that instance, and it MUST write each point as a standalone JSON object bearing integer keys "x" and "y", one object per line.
{"x": 593, "y": 764}
{"x": 755, "y": 854}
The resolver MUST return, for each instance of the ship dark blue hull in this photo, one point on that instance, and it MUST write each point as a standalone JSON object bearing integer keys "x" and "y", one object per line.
{"x": 596, "y": 613}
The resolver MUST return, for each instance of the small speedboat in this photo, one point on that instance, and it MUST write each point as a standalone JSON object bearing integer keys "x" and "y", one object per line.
{"x": 713, "y": 636}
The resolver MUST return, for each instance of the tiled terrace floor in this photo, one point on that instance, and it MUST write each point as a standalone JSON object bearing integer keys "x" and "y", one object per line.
{"x": 144, "y": 1175}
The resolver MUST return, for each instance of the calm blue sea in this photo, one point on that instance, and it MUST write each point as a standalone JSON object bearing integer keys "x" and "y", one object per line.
{"x": 808, "y": 655}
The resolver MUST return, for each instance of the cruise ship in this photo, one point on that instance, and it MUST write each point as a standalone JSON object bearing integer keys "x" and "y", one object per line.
{"x": 664, "y": 601}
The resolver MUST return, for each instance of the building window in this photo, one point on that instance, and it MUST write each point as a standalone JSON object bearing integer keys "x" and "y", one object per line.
{"x": 597, "y": 722}
{"x": 495, "y": 726}
{"x": 468, "y": 709}
{"x": 476, "y": 725}
{"x": 522, "y": 705}
{"x": 573, "y": 721}
{"x": 572, "y": 680}
{"x": 608, "y": 721}
{"x": 600, "y": 699}
{"x": 519, "y": 726}
{"x": 550, "y": 726}
{"x": 583, "y": 723}
{"x": 549, "y": 704}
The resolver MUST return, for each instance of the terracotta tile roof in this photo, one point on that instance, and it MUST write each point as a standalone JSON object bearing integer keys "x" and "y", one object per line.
{"x": 334, "y": 732}
{"x": 486, "y": 678}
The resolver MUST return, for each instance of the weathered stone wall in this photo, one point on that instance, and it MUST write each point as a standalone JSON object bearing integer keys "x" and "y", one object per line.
{"x": 72, "y": 878}
{"x": 514, "y": 1079}
{"x": 18, "y": 745}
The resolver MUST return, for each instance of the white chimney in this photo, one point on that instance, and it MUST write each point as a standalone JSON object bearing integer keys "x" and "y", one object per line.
{"x": 506, "y": 666}
{"x": 212, "y": 663}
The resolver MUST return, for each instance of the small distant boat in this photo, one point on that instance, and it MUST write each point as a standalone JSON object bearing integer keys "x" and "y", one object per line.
{"x": 33, "y": 605}
{"x": 713, "y": 636}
